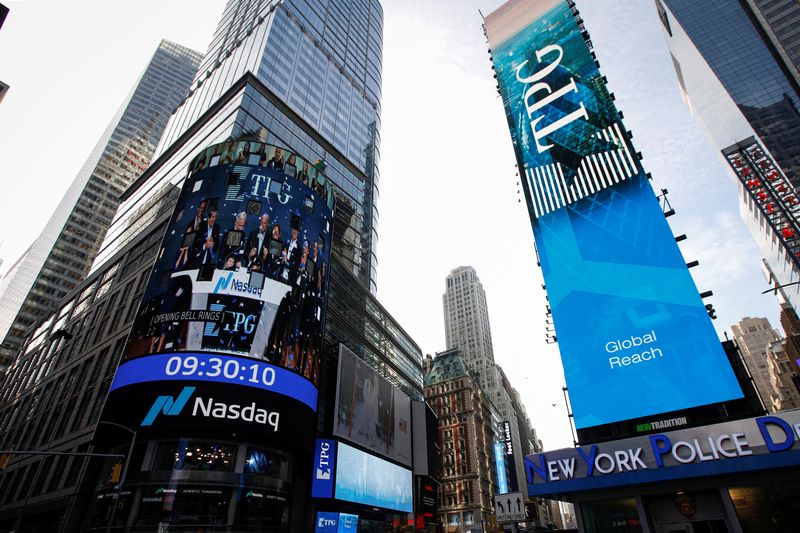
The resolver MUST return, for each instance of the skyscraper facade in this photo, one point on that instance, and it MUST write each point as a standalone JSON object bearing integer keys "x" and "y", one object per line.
{"x": 466, "y": 323}
{"x": 467, "y": 329}
{"x": 60, "y": 258}
{"x": 467, "y": 434}
{"x": 749, "y": 67}
{"x": 780, "y": 20}
{"x": 255, "y": 85}
{"x": 733, "y": 61}
{"x": 754, "y": 336}
{"x": 320, "y": 62}
{"x": 781, "y": 372}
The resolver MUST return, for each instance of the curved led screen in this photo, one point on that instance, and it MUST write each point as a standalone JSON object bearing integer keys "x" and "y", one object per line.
{"x": 634, "y": 335}
{"x": 369, "y": 480}
{"x": 230, "y": 326}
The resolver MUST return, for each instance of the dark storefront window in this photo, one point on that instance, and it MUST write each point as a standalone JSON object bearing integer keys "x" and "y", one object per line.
{"x": 611, "y": 516}
{"x": 193, "y": 508}
{"x": 265, "y": 462}
{"x": 260, "y": 511}
{"x": 186, "y": 454}
{"x": 772, "y": 508}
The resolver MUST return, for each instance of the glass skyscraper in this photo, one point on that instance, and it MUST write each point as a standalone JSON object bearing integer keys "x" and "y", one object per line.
{"x": 321, "y": 60}
{"x": 60, "y": 258}
{"x": 300, "y": 74}
{"x": 734, "y": 67}
{"x": 750, "y": 68}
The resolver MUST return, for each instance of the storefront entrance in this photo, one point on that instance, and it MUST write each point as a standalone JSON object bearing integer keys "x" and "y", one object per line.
{"x": 699, "y": 511}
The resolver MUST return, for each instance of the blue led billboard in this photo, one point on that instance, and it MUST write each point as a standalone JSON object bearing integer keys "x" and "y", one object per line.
{"x": 500, "y": 466}
{"x": 634, "y": 335}
{"x": 232, "y": 315}
{"x": 369, "y": 480}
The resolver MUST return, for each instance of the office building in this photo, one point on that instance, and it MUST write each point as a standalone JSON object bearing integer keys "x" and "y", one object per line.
{"x": 467, "y": 329}
{"x": 753, "y": 336}
{"x": 258, "y": 84}
{"x": 296, "y": 51}
{"x": 728, "y": 36}
{"x": 736, "y": 67}
{"x": 466, "y": 323}
{"x": 467, "y": 435}
{"x": 784, "y": 393}
{"x": 61, "y": 256}
{"x": 780, "y": 20}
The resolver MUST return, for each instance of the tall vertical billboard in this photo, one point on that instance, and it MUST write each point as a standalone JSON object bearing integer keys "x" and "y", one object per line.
{"x": 634, "y": 335}
{"x": 228, "y": 334}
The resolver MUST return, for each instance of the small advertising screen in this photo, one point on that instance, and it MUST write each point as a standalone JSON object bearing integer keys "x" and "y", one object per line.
{"x": 500, "y": 466}
{"x": 634, "y": 335}
{"x": 370, "y": 411}
{"x": 369, "y": 480}
{"x": 236, "y": 301}
{"x": 322, "y": 476}
{"x": 328, "y": 522}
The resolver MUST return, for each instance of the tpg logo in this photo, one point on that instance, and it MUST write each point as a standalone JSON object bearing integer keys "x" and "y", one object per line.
{"x": 168, "y": 405}
{"x": 235, "y": 285}
{"x": 326, "y": 522}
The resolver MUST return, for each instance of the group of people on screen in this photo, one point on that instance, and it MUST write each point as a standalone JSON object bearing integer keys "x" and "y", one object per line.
{"x": 272, "y": 157}
{"x": 283, "y": 254}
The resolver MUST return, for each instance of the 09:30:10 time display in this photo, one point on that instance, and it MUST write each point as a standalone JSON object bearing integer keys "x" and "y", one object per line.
{"x": 215, "y": 367}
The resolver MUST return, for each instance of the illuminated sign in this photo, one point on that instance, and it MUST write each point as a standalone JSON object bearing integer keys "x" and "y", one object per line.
{"x": 191, "y": 366}
{"x": 500, "y": 466}
{"x": 348, "y": 523}
{"x": 509, "y": 446}
{"x": 336, "y": 522}
{"x": 634, "y": 335}
{"x": 236, "y": 301}
{"x": 731, "y": 447}
{"x": 369, "y": 480}
{"x": 324, "y": 461}
{"x": 327, "y": 522}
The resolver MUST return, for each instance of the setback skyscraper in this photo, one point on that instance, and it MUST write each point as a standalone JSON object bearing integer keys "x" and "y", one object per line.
{"x": 60, "y": 258}
{"x": 736, "y": 64}
{"x": 467, "y": 329}
{"x": 302, "y": 78}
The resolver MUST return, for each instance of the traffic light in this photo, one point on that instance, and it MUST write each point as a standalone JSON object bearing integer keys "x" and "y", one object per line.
{"x": 116, "y": 473}
{"x": 711, "y": 313}
{"x": 4, "y": 460}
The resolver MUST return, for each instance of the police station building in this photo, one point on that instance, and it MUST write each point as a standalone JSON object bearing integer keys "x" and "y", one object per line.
{"x": 733, "y": 477}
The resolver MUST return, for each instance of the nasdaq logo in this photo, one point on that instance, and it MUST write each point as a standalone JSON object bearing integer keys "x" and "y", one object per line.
{"x": 227, "y": 283}
{"x": 168, "y": 405}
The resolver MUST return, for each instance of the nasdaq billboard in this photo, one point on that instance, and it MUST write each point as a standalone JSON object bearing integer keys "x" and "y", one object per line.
{"x": 634, "y": 335}
{"x": 229, "y": 330}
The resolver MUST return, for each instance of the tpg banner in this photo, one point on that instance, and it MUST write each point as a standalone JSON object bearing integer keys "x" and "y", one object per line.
{"x": 634, "y": 335}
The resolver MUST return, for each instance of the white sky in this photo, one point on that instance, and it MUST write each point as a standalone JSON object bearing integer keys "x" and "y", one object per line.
{"x": 448, "y": 185}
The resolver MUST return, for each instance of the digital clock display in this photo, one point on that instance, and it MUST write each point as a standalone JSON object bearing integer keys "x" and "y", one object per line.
{"x": 191, "y": 366}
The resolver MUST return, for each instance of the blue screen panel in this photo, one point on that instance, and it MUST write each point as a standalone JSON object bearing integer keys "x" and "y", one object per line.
{"x": 634, "y": 336}
{"x": 369, "y": 480}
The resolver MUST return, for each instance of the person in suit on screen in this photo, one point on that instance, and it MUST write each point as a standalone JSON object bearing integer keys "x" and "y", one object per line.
{"x": 206, "y": 241}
